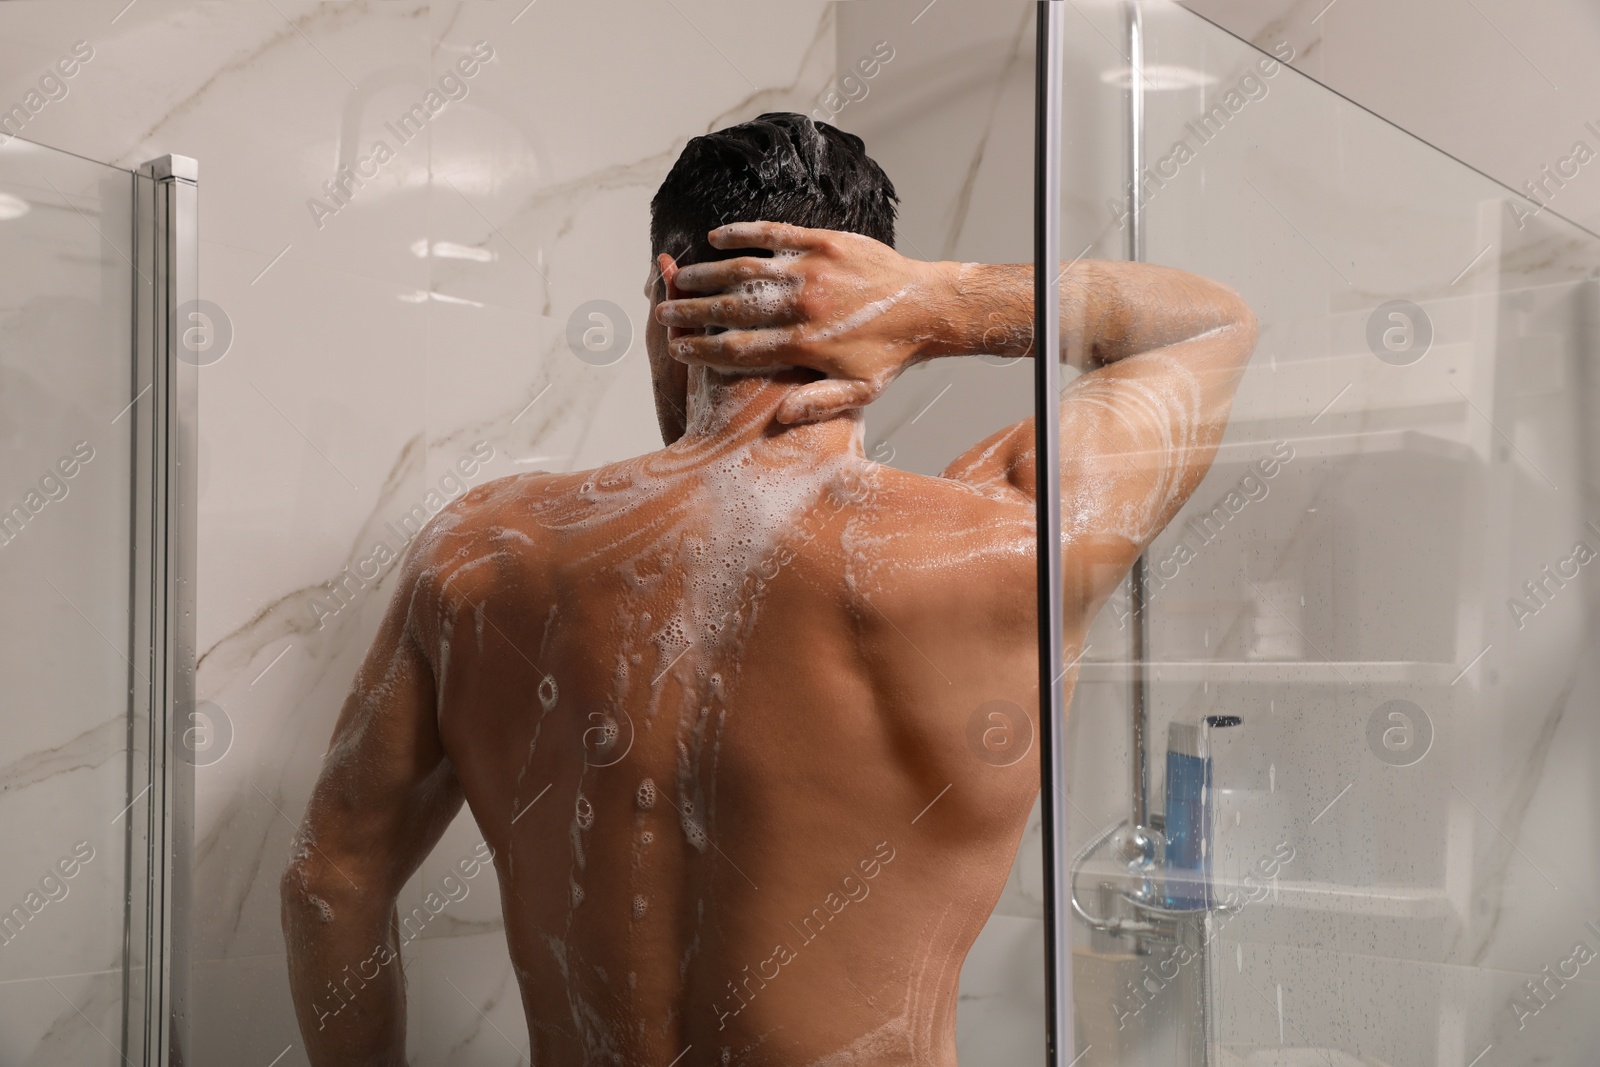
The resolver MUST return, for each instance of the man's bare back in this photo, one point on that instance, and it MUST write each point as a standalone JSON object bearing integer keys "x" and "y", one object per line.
{"x": 713, "y": 708}
{"x": 696, "y": 701}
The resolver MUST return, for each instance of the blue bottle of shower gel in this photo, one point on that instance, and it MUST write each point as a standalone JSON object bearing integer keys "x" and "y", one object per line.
{"x": 1188, "y": 827}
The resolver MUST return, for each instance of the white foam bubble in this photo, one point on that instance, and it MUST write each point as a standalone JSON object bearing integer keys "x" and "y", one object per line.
{"x": 693, "y": 832}
{"x": 447, "y": 628}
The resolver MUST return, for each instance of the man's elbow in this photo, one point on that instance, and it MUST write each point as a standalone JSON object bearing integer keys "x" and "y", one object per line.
{"x": 304, "y": 895}
{"x": 313, "y": 889}
{"x": 1237, "y": 323}
{"x": 1249, "y": 328}
{"x": 1234, "y": 313}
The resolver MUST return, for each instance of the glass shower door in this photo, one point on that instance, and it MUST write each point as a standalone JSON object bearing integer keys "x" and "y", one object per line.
{"x": 76, "y": 664}
{"x": 1389, "y": 575}
{"x": 65, "y": 554}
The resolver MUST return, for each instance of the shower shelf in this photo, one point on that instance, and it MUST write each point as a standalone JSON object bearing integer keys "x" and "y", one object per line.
{"x": 1377, "y": 442}
{"x": 1304, "y": 385}
{"x": 1308, "y": 672}
{"x": 1401, "y": 922}
{"x": 1407, "y": 921}
{"x": 1378, "y": 901}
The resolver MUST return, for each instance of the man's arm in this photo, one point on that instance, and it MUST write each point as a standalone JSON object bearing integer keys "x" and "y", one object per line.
{"x": 385, "y": 795}
{"x": 1163, "y": 350}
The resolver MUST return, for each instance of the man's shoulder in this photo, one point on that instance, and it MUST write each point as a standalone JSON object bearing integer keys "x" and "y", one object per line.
{"x": 489, "y": 519}
{"x": 947, "y": 530}
{"x": 949, "y": 501}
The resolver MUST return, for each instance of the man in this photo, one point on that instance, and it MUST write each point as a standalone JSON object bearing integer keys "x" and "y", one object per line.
{"x": 713, "y": 708}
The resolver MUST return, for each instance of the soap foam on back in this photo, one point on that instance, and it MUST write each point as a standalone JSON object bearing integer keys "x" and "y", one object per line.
{"x": 717, "y": 514}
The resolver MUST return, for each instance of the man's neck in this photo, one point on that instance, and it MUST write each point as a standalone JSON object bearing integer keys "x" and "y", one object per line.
{"x": 737, "y": 409}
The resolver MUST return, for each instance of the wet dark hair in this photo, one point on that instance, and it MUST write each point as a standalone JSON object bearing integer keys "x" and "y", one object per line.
{"x": 781, "y": 167}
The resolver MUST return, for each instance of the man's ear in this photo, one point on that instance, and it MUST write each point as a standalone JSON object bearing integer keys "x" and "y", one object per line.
{"x": 666, "y": 268}
{"x": 671, "y": 380}
{"x": 669, "y": 276}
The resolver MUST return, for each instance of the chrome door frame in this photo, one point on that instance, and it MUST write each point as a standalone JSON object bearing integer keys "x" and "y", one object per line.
{"x": 160, "y": 827}
{"x": 1057, "y": 851}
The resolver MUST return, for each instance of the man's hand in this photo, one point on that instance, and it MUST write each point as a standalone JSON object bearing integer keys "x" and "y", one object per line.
{"x": 1162, "y": 351}
{"x": 839, "y": 303}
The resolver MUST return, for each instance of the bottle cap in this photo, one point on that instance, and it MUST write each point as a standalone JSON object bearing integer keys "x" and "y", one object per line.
{"x": 1185, "y": 739}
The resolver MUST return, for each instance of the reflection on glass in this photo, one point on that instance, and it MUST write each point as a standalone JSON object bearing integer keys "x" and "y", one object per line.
{"x": 1383, "y": 576}
{"x": 66, "y": 291}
